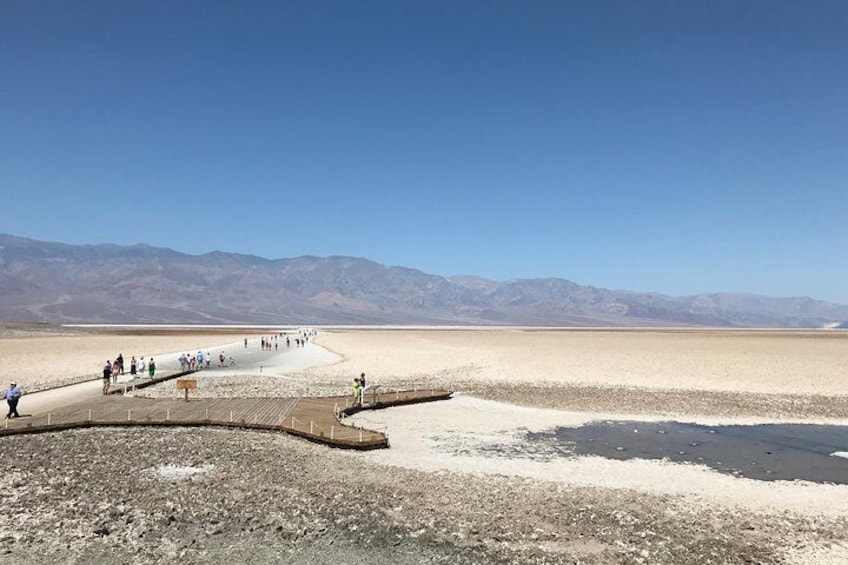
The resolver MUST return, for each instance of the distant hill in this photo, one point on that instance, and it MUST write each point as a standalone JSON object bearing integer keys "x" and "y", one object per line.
{"x": 60, "y": 283}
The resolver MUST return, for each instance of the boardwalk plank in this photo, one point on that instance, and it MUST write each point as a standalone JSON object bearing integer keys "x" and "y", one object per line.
{"x": 312, "y": 418}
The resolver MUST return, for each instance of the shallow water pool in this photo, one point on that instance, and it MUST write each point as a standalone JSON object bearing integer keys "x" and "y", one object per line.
{"x": 763, "y": 452}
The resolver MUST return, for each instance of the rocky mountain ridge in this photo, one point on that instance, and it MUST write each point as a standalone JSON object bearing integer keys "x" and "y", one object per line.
{"x": 62, "y": 283}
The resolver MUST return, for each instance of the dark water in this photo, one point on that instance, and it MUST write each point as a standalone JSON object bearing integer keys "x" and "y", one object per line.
{"x": 766, "y": 452}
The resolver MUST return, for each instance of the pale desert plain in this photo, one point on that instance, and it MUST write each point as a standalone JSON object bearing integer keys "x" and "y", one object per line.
{"x": 458, "y": 484}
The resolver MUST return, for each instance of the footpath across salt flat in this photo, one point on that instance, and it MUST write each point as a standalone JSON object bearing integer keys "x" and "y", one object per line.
{"x": 248, "y": 360}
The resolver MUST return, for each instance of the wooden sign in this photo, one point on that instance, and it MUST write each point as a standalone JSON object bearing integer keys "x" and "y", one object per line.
{"x": 186, "y": 384}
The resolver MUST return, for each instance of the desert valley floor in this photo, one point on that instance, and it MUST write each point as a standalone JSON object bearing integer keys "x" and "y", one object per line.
{"x": 458, "y": 484}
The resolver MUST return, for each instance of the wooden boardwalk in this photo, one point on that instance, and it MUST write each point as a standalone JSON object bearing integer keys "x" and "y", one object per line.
{"x": 316, "y": 419}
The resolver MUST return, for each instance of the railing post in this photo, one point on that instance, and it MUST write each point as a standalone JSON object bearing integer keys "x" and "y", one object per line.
{"x": 311, "y": 427}
{"x": 48, "y": 418}
{"x": 129, "y": 415}
{"x": 332, "y": 432}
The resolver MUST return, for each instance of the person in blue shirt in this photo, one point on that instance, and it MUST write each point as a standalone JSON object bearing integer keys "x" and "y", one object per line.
{"x": 12, "y": 395}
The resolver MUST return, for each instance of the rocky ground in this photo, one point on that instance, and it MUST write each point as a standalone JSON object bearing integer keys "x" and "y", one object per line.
{"x": 118, "y": 496}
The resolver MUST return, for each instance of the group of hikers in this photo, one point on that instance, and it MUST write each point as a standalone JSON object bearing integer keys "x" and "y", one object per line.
{"x": 113, "y": 369}
{"x": 190, "y": 362}
{"x": 202, "y": 360}
{"x": 273, "y": 343}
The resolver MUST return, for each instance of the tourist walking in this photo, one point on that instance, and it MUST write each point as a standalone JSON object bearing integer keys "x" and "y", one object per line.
{"x": 107, "y": 376}
{"x": 362, "y": 389}
{"x": 151, "y": 367}
{"x": 133, "y": 366}
{"x": 12, "y": 395}
{"x": 141, "y": 366}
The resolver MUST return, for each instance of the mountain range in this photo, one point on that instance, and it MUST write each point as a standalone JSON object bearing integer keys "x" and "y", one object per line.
{"x": 61, "y": 283}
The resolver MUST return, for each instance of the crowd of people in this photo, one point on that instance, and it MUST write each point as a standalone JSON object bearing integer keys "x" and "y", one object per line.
{"x": 189, "y": 362}
{"x": 201, "y": 360}
{"x": 113, "y": 369}
{"x": 301, "y": 338}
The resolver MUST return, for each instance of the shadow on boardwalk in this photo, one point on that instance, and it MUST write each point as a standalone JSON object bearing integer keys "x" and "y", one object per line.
{"x": 315, "y": 419}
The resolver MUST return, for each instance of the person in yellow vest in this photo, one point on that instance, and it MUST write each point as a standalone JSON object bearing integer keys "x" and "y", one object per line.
{"x": 357, "y": 392}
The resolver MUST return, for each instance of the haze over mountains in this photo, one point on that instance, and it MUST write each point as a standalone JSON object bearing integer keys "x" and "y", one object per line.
{"x": 60, "y": 283}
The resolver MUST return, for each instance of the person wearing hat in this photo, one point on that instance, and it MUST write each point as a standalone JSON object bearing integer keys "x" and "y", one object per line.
{"x": 12, "y": 395}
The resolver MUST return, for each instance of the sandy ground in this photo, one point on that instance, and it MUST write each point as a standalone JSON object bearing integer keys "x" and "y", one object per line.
{"x": 454, "y": 479}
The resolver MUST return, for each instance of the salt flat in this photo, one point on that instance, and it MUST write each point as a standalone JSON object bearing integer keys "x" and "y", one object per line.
{"x": 437, "y": 493}
{"x": 804, "y": 362}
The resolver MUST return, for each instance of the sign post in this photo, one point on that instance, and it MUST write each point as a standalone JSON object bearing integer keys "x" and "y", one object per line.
{"x": 185, "y": 385}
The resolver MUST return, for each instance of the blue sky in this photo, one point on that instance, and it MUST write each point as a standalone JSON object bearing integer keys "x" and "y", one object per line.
{"x": 671, "y": 146}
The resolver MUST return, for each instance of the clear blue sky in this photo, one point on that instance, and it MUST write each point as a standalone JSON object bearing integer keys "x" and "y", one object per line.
{"x": 671, "y": 146}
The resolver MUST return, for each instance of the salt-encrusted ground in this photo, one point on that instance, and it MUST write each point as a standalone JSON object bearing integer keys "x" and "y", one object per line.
{"x": 216, "y": 496}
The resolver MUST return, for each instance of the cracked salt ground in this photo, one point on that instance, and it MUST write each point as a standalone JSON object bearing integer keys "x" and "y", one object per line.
{"x": 769, "y": 452}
